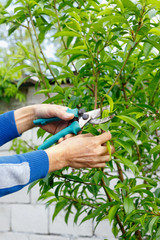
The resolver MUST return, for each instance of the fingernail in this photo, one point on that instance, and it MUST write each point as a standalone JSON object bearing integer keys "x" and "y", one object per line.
{"x": 69, "y": 115}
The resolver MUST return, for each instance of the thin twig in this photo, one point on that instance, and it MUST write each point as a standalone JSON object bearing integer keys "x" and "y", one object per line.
{"x": 36, "y": 57}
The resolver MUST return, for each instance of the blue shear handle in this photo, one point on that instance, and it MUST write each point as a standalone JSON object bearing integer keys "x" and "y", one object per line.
{"x": 73, "y": 128}
{"x": 44, "y": 121}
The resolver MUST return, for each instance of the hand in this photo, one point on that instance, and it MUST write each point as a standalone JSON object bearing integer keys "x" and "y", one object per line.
{"x": 82, "y": 151}
{"x": 52, "y": 110}
{"x": 24, "y": 117}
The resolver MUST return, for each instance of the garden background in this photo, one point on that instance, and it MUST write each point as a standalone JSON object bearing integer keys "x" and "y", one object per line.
{"x": 86, "y": 54}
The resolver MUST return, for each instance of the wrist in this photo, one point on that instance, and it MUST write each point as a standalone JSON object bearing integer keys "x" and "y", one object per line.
{"x": 56, "y": 158}
{"x": 24, "y": 118}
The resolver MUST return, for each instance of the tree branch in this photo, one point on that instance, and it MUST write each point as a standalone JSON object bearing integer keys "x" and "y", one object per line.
{"x": 36, "y": 57}
{"x": 40, "y": 48}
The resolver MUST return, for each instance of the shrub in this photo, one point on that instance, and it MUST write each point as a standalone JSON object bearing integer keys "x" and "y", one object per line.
{"x": 106, "y": 53}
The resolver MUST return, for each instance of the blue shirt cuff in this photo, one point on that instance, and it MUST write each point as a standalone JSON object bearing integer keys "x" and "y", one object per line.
{"x": 8, "y": 128}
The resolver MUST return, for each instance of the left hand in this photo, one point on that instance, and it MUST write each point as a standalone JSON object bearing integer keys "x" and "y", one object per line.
{"x": 52, "y": 110}
{"x": 24, "y": 117}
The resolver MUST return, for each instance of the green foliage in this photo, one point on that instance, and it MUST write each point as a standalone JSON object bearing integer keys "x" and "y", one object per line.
{"x": 8, "y": 88}
{"x": 109, "y": 53}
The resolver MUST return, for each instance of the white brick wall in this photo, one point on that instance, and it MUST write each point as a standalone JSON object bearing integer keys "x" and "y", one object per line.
{"x": 23, "y": 218}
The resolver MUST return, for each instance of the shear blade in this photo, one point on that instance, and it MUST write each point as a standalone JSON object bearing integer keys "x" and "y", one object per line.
{"x": 92, "y": 117}
{"x": 100, "y": 121}
{"x": 97, "y": 112}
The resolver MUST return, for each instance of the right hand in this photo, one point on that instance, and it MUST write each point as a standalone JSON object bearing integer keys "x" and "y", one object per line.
{"x": 82, "y": 151}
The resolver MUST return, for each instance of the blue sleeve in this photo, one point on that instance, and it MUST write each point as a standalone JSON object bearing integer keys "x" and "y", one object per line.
{"x": 20, "y": 170}
{"x": 8, "y": 129}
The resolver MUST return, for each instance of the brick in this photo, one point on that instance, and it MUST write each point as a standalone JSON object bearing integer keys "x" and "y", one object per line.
{"x": 42, "y": 237}
{"x": 60, "y": 227}
{"x": 13, "y": 236}
{"x": 18, "y": 197}
{"x": 29, "y": 218}
{"x": 4, "y": 217}
{"x": 35, "y": 194}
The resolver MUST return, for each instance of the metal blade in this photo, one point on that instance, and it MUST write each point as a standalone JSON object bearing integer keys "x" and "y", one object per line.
{"x": 97, "y": 112}
{"x": 100, "y": 121}
{"x": 92, "y": 115}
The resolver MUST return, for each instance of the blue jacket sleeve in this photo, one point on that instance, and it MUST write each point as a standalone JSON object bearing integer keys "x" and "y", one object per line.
{"x": 8, "y": 129}
{"x": 19, "y": 170}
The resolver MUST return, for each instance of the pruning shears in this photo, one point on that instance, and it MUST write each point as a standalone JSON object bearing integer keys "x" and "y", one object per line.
{"x": 81, "y": 118}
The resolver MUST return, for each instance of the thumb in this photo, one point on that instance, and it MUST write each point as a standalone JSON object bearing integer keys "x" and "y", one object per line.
{"x": 104, "y": 137}
{"x": 62, "y": 114}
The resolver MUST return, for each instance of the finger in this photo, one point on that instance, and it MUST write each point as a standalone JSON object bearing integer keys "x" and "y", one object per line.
{"x": 59, "y": 111}
{"x": 60, "y": 140}
{"x": 104, "y": 137}
{"x": 68, "y": 136}
{"x": 64, "y": 115}
{"x": 86, "y": 135}
{"x": 101, "y": 159}
{"x": 103, "y": 150}
{"x": 89, "y": 161}
{"x": 99, "y": 165}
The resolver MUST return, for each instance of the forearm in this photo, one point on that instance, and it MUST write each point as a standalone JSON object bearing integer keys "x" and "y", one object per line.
{"x": 24, "y": 118}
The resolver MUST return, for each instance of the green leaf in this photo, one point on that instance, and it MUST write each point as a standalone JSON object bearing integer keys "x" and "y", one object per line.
{"x": 158, "y": 234}
{"x": 23, "y": 48}
{"x": 153, "y": 85}
{"x": 129, "y": 134}
{"x": 97, "y": 176}
{"x": 8, "y": 3}
{"x": 57, "y": 190}
{"x": 153, "y": 222}
{"x": 139, "y": 187}
{"x": 128, "y": 205}
{"x": 75, "y": 15}
{"x": 74, "y": 51}
{"x": 20, "y": 82}
{"x": 112, "y": 212}
{"x": 154, "y": 126}
{"x": 13, "y": 28}
{"x": 59, "y": 206}
{"x": 130, "y": 5}
{"x": 32, "y": 185}
{"x": 156, "y": 149}
{"x": 127, "y": 163}
{"x": 125, "y": 145}
{"x": 43, "y": 91}
{"x": 95, "y": 213}
{"x": 153, "y": 43}
{"x": 131, "y": 121}
{"x": 112, "y": 19}
{"x": 18, "y": 68}
{"x": 67, "y": 34}
{"x": 154, "y": 3}
{"x": 156, "y": 164}
{"x": 155, "y": 31}
{"x": 112, "y": 194}
{"x": 111, "y": 104}
{"x": 109, "y": 148}
{"x": 149, "y": 180}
